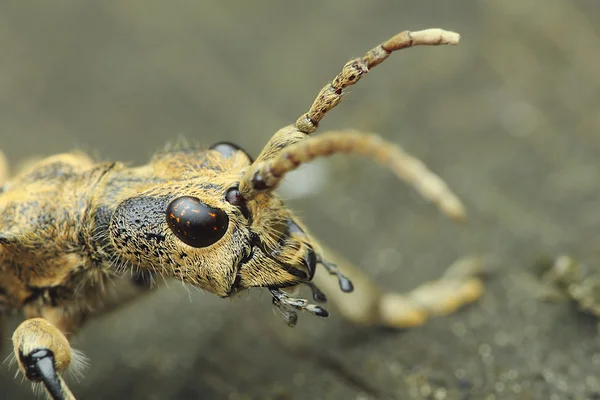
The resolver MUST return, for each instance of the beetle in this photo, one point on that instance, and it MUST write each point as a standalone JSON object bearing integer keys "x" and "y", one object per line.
{"x": 79, "y": 237}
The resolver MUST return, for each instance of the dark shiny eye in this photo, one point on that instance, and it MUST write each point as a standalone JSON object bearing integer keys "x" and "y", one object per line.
{"x": 229, "y": 149}
{"x": 235, "y": 198}
{"x": 195, "y": 223}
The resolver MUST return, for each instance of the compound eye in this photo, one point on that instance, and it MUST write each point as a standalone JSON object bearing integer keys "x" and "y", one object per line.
{"x": 195, "y": 223}
{"x": 235, "y": 198}
{"x": 228, "y": 150}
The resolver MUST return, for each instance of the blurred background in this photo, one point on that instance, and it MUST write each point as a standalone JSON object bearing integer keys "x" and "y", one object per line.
{"x": 510, "y": 118}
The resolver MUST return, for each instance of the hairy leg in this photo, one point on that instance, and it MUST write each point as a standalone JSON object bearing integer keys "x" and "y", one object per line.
{"x": 41, "y": 347}
{"x": 43, "y": 353}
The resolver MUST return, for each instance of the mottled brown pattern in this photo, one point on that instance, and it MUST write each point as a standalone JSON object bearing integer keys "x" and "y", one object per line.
{"x": 71, "y": 228}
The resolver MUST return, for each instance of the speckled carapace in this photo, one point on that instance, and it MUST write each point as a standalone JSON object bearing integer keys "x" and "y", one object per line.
{"x": 79, "y": 238}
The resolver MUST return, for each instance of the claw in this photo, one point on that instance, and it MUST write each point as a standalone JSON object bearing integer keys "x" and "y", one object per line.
{"x": 39, "y": 367}
{"x": 43, "y": 353}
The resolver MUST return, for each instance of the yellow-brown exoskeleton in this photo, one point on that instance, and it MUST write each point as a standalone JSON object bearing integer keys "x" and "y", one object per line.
{"x": 210, "y": 217}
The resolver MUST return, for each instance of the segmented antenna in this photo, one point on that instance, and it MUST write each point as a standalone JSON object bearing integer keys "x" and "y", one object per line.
{"x": 289, "y": 147}
{"x": 331, "y": 95}
{"x": 269, "y": 174}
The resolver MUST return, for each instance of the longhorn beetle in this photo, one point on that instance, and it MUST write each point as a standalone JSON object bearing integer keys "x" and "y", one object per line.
{"x": 79, "y": 238}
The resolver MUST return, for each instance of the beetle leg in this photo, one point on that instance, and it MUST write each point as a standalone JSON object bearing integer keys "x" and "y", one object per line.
{"x": 43, "y": 353}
